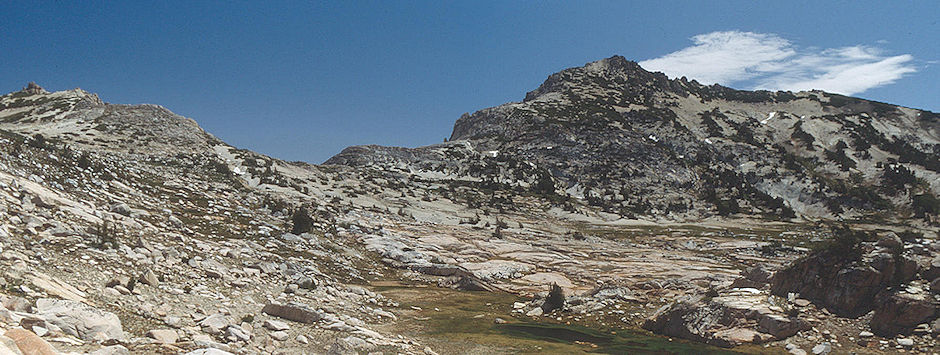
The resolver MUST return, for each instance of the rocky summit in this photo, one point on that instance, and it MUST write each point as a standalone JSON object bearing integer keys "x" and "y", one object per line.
{"x": 611, "y": 210}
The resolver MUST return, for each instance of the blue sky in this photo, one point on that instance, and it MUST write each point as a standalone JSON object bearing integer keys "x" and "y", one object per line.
{"x": 303, "y": 80}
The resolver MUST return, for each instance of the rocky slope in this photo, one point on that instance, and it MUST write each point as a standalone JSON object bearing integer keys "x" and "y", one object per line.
{"x": 635, "y": 143}
{"x": 636, "y": 200}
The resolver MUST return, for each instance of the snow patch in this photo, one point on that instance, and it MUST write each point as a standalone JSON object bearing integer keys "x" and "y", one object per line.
{"x": 769, "y": 117}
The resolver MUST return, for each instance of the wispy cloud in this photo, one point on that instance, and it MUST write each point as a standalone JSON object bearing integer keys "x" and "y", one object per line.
{"x": 767, "y": 61}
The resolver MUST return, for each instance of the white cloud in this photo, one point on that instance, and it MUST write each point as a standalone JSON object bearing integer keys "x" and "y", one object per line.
{"x": 767, "y": 61}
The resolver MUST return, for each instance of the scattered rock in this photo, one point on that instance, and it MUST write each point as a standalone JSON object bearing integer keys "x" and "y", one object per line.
{"x": 297, "y": 312}
{"x": 209, "y": 351}
{"x": 163, "y": 336}
{"x": 215, "y": 323}
{"x": 280, "y": 335}
{"x": 149, "y": 278}
{"x": 111, "y": 350}
{"x": 821, "y": 349}
{"x": 272, "y": 324}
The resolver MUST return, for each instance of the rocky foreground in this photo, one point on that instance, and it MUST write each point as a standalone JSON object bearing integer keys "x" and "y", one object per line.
{"x": 129, "y": 229}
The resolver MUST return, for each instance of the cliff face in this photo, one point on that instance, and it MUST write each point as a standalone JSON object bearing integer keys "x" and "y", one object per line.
{"x": 636, "y": 143}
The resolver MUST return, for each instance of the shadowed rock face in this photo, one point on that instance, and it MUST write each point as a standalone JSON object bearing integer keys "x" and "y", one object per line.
{"x": 885, "y": 279}
{"x": 636, "y": 143}
{"x": 846, "y": 286}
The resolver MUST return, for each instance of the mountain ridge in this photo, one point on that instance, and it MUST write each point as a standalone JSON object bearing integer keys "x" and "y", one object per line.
{"x": 611, "y": 116}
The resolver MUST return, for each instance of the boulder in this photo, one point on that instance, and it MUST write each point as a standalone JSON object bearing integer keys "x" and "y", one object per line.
{"x": 16, "y": 303}
{"x": 780, "y": 326}
{"x": 28, "y": 343}
{"x": 121, "y": 209}
{"x": 734, "y": 317}
{"x": 280, "y": 335}
{"x": 237, "y": 333}
{"x": 297, "y": 312}
{"x": 215, "y": 323}
{"x": 890, "y": 240}
{"x": 163, "y": 336}
{"x": 822, "y": 349}
{"x": 900, "y": 313}
{"x": 149, "y": 278}
{"x": 8, "y": 346}
{"x": 120, "y": 280}
{"x": 755, "y": 277}
{"x": 275, "y": 325}
{"x": 932, "y": 271}
{"x": 80, "y": 320}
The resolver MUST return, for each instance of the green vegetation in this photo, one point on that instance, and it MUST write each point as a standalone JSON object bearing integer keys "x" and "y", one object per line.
{"x": 846, "y": 242}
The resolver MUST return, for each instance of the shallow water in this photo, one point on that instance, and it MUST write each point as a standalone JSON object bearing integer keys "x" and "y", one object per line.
{"x": 463, "y": 322}
{"x": 624, "y": 342}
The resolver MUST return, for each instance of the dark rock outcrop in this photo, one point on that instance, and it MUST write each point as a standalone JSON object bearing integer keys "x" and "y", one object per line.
{"x": 900, "y": 313}
{"x": 845, "y": 286}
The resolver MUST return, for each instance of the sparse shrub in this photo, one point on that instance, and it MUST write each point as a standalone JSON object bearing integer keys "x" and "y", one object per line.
{"x": 897, "y": 177}
{"x": 555, "y": 299}
{"x": 104, "y": 236}
{"x": 802, "y": 136}
{"x": 84, "y": 161}
{"x": 846, "y": 242}
{"x": 302, "y": 222}
{"x": 925, "y": 204}
{"x": 909, "y": 236}
{"x": 38, "y": 141}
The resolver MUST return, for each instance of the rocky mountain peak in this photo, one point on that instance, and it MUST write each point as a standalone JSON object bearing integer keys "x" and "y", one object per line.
{"x": 614, "y": 73}
{"x": 34, "y": 89}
